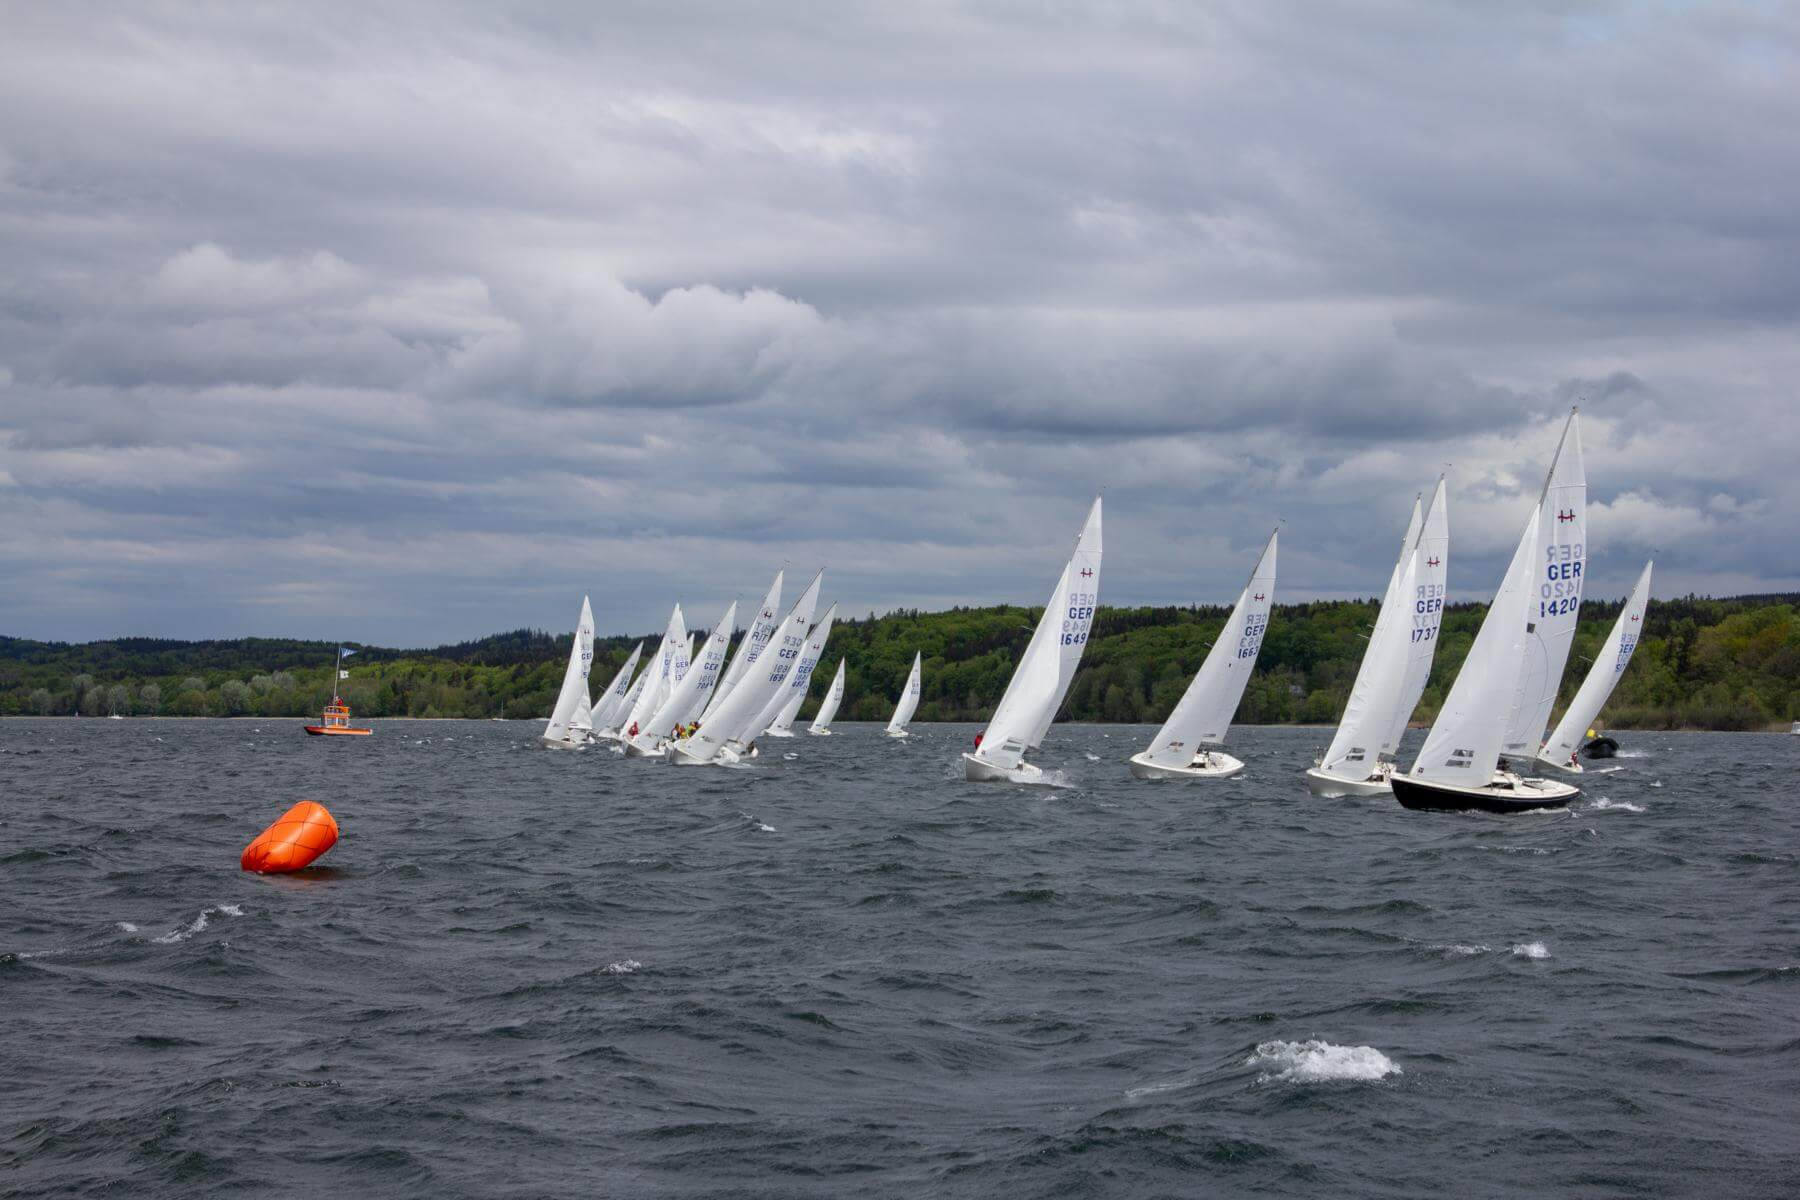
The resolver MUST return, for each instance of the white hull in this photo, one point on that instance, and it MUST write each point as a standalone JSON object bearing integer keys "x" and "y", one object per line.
{"x": 977, "y": 770}
{"x": 605, "y": 735}
{"x": 1322, "y": 784}
{"x": 633, "y": 750}
{"x": 781, "y": 733}
{"x": 1573, "y": 768}
{"x": 898, "y": 733}
{"x": 819, "y": 732}
{"x": 1215, "y": 766}
{"x": 558, "y": 744}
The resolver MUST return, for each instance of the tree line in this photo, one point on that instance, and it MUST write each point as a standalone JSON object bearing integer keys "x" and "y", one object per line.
{"x": 1702, "y": 663}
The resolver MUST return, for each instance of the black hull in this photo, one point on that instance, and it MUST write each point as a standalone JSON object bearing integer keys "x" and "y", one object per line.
{"x": 1425, "y": 797}
{"x": 1600, "y": 747}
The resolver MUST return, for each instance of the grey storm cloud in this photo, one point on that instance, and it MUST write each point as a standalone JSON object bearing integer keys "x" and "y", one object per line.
{"x": 413, "y": 322}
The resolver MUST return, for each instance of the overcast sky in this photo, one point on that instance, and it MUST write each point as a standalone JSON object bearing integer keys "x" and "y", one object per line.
{"x": 409, "y": 324}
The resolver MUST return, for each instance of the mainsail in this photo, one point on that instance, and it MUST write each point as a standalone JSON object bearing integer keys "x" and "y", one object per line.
{"x": 665, "y": 671}
{"x": 1432, "y": 558}
{"x": 1042, "y": 678}
{"x": 793, "y": 692}
{"x": 573, "y": 695}
{"x": 1463, "y": 746}
{"x": 909, "y": 700}
{"x": 1609, "y": 664}
{"x": 740, "y": 709}
{"x": 1355, "y": 747}
{"x": 611, "y": 702}
{"x": 829, "y": 706}
{"x": 1554, "y": 602}
{"x": 687, "y": 692}
{"x": 1203, "y": 713}
{"x": 755, "y": 638}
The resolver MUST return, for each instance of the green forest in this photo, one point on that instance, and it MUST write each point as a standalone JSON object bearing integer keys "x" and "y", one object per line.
{"x": 1702, "y": 664}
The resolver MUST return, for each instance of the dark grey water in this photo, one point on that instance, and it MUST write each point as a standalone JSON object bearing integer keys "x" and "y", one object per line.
{"x": 525, "y": 973}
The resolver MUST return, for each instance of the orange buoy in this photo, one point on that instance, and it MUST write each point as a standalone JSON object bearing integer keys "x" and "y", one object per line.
{"x": 299, "y": 836}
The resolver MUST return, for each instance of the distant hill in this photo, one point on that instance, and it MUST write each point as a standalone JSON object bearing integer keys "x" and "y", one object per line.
{"x": 1703, "y": 663}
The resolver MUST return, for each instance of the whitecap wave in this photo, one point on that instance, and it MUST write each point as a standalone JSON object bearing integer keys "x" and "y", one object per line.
{"x": 1531, "y": 950}
{"x": 1091, "y": 757}
{"x": 1619, "y": 805}
{"x": 623, "y": 967}
{"x": 128, "y": 927}
{"x": 1317, "y": 1061}
{"x": 1154, "y": 1089}
{"x": 1461, "y": 950}
{"x": 198, "y": 923}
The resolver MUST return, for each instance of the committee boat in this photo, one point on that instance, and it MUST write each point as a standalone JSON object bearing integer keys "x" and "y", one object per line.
{"x": 1187, "y": 745}
{"x": 335, "y": 720}
{"x": 1036, "y": 690}
{"x": 1517, "y": 656}
{"x": 1360, "y": 758}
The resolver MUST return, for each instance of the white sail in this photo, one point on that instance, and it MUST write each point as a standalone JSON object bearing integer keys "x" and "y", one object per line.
{"x": 1555, "y": 601}
{"x": 687, "y": 693}
{"x": 1430, "y": 572}
{"x": 1042, "y": 678}
{"x": 1463, "y": 747}
{"x": 909, "y": 701}
{"x": 1203, "y": 714}
{"x": 1608, "y": 666}
{"x": 793, "y": 693}
{"x": 611, "y": 703}
{"x": 755, "y": 638}
{"x": 630, "y": 702}
{"x": 583, "y": 720}
{"x": 1368, "y": 714}
{"x": 740, "y": 709}
{"x": 671, "y": 652}
{"x": 829, "y": 706}
{"x": 574, "y": 685}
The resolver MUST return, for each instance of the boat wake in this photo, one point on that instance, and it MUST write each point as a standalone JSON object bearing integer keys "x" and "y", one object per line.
{"x": 1318, "y": 1061}
{"x": 1617, "y": 805}
{"x": 1531, "y": 950}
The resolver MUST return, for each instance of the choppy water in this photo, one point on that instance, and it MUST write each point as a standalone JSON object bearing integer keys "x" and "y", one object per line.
{"x": 526, "y": 973}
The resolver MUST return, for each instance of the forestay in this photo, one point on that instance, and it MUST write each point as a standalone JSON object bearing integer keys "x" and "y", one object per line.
{"x": 1203, "y": 714}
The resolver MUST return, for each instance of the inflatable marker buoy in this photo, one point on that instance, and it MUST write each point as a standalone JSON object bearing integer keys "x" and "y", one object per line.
{"x": 299, "y": 836}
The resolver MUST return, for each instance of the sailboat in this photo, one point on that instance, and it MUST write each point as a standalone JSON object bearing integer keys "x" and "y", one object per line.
{"x": 717, "y": 739}
{"x": 1561, "y": 750}
{"x": 1460, "y": 767}
{"x": 610, "y": 704}
{"x": 1183, "y": 747}
{"x": 1043, "y": 676}
{"x": 821, "y": 722}
{"x": 1360, "y": 759}
{"x": 909, "y": 703}
{"x": 335, "y": 721}
{"x": 750, "y": 648}
{"x": 664, "y": 671}
{"x": 562, "y": 731}
{"x": 664, "y": 725}
{"x": 793, "y": 693}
